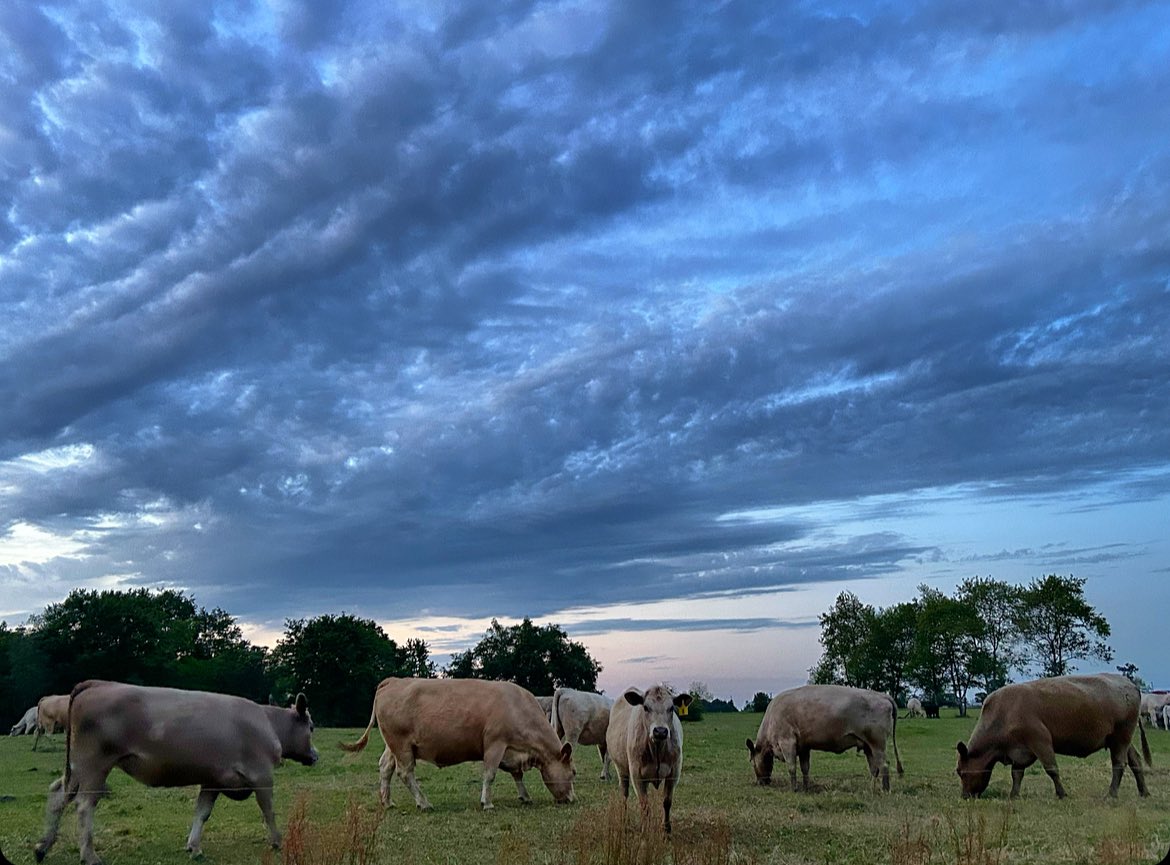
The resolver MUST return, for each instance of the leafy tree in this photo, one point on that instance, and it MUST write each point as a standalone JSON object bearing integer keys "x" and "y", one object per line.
{"x": 759, "y": 702}
{"x": 417, "y": 660}
{"x": 845, "y": 634}
{"x": 337, "y": 661}
{"x": 715, "y": 705}
{"x": 890, "y": 647}
{"x": 948, "y": 649}
{"x": 998, "y": 605}
{"x": 1058, "y": 626}
{"x": 1130, "y": 672}
{"x": 539, "y": 658}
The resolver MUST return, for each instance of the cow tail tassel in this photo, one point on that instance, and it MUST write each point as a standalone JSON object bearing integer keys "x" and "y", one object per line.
{"x": 361, "y": 743}
{"x": 1145, "y": 744}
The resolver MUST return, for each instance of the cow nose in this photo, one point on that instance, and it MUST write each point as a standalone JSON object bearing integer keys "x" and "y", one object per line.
{"x": 313, "y": 755}
{"x": 661, "y": 732}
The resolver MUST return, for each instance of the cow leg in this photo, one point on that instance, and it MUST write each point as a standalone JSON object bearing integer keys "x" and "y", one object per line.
{"x": 667, "y": 801}
{"x": 491, "y": 762}
{"x": 1017, "y": 780}
{"x": 878, "y": 767}
{"x": 203, "y": 805}
{"x": 642, "y": 789}
{"x": 59, "y": 798}
{"x": 1047, "y": 758}
{"x": 37, "y": 737}
{"x": 264, "y": 800}
{"x": 803, "y": 756}
{"x": 605, "y": 761}
{"x": 405, "y": 763}
{"x": 787, "y": 751}
{"x": 385, "y": 776}
{"x": 1135, "y": 766}
{"x": 625, "y": 784}
{"x": 518, "y": 777}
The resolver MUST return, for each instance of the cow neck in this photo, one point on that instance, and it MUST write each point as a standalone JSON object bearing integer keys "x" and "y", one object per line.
{"x": 281, "y": 721}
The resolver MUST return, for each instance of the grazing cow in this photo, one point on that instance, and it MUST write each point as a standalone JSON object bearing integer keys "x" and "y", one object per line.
{"x": 165, "y": 737}
{"x": 26, "y": 725}
{"x": 546, "y": 703}
{"x": 931, "y": 709}
{"x": 830, "y": 718}
{"x": 645, "y": 740}
{"x": 914, "y": 708}
{"x": 1152, "y": 705}
{"x": 449, "y": 721}
{"x": 52, "y": 714}
{"x": 582, "y": 718}
{"x": 1072, "y": 715}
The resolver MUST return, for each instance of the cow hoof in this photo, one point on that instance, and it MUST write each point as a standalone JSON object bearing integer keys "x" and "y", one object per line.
{"x": 426, "y": 806}
{"x": 39, "y": 853}
{"x": 197, "y": 853}
{"x": 487, "y": 806}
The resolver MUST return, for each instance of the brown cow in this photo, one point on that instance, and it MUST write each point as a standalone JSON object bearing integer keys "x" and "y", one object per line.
{"x": 830, "y": 718}
{"x": 165, "y": 737}
{"x": 52, "y": 713}
{"x": 449, "y": 721}
{"x": 582, "y": 718}
{"x": 645, "y": 740}
{"x": 1072, "y": 715}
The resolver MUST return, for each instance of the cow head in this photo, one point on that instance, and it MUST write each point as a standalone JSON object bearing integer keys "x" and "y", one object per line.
{"x": 658, "y": 718}
{"x": 762, "y": 758}
{"x": 296, "y": 741}
{"x": 974, "y": 772}
{"x": 558, "y": 775}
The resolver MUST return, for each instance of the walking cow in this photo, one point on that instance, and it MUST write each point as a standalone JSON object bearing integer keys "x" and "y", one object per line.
{"x": 165, "y": 737}
{"x": 582, "y": 718}
{"x": 830, "y": 718}
{"x": 1072, "y": 715}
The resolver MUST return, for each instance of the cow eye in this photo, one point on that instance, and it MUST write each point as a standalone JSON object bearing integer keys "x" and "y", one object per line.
{"x": 647, "y": 709}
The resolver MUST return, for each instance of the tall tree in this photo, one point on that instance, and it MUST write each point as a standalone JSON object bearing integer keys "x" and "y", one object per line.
{"x": 338, "y": 661}
{"x": 998, "y": 605}
{"x": 846, "y": 631}
{"x": 539, "y": 658}
{"x": 890, "y": 646}
{"x": 1058, "y": 626}
{"x": 949, "y": 631}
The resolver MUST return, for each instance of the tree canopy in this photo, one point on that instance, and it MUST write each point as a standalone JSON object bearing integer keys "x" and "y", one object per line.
{"x": 540, "y": 658}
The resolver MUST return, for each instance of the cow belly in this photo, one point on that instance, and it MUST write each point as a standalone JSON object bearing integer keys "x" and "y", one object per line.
{"x": 160, "y": 773}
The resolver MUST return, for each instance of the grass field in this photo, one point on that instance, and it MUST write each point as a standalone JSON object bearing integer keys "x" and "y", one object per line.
{"x": 330, "y": 813}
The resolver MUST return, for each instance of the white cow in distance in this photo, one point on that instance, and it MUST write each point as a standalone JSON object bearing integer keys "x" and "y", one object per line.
{"x": 582, "y": 718}
{"x": 914, "y": 708}
{"x": 1152, "y": 705}
{"x": 27, "y": 724}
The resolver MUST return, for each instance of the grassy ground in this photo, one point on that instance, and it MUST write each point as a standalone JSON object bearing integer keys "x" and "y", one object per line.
{"x": 330, "y": 812}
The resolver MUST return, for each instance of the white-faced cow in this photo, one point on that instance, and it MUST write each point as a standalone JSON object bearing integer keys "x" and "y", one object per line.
{"x": 51, "y": 716}
{"x": 165, "y": 737}
{"x": 582, "y": 718}
{"x": 830, "y": 718}
{"x": 450, "y": 721}
{"x": 1152, "y": 705}
{"x": 1072, "y": 715}
{"x": 914, "y": 708}
{"x": 27, "y": 724}
{"x": 645, "y": 741}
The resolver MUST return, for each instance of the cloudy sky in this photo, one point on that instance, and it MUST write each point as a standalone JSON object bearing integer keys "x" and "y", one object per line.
{"x": 663, "y": 322}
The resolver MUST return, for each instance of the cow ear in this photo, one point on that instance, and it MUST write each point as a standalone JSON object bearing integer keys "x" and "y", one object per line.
{"x": 633, "y": 697}
{"x": 962, "y": 749}
{"x": 683, "y": 700}
{"x": 751, "y": 747}
{"x": 567, "y": 753}
{"x": 302, "y": 704}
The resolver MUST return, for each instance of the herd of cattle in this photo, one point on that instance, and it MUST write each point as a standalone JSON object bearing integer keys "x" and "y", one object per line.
{"x": 165, "y": 737}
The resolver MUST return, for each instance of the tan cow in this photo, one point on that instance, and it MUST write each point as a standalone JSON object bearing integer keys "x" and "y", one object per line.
{"x": 165, "y": 737}
{"x": 1072, "y": 715}
{"x": 52, "y": 713}
{"x": 449, "y": 721}
{"x": 27, "y": 724}
{"x": 830, "y": 718}
{"x": 582, "y": 718}
{"x": 1152, "y": 705}
{"x": 645, "y": 741}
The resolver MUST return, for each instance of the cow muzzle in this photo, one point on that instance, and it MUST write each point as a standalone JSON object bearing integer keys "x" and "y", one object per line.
{"x": 660, "y": 733}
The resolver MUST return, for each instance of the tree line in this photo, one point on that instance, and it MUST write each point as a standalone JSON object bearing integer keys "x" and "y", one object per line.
{"x": 950, "y": 647}
{"x": 165, "y": 638}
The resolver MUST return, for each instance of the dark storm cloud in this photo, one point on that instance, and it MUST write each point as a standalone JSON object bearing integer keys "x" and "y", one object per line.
{"x": 458, "y": 311}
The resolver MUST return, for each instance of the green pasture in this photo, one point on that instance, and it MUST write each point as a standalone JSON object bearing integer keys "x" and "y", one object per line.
{"x": 720, "y": 814}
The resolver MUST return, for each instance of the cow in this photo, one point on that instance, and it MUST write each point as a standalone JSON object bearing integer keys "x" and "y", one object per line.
{"x": 1166, "y": 717}
{"x": 582, "y": 718}
{"x": 1152, "y": 705}
{"x": 546, "y": 703}
{"x": 164, "y": 737}
{"x": 26, "y": 725}
{"x": 914, "y": 708}
{"x": 931, "y": 710}
{"x": 1072, "y": 715}
{"x": 831, "y": 718}
{"x": 449, "y": 721}
{"x": 51, "y": 716}
{"x": 644, "y": 739}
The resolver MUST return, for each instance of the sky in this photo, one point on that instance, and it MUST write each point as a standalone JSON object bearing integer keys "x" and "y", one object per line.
{"x": 664, "y": 322}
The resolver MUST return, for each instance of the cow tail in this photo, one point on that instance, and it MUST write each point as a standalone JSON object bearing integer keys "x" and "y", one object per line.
{"x": 894, "y": 735}
{"x": 361, "y": 743}
{"x": 77, "y": 689}
{"x": 1145, "y": 744}
{"x": 556, "y": 713}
